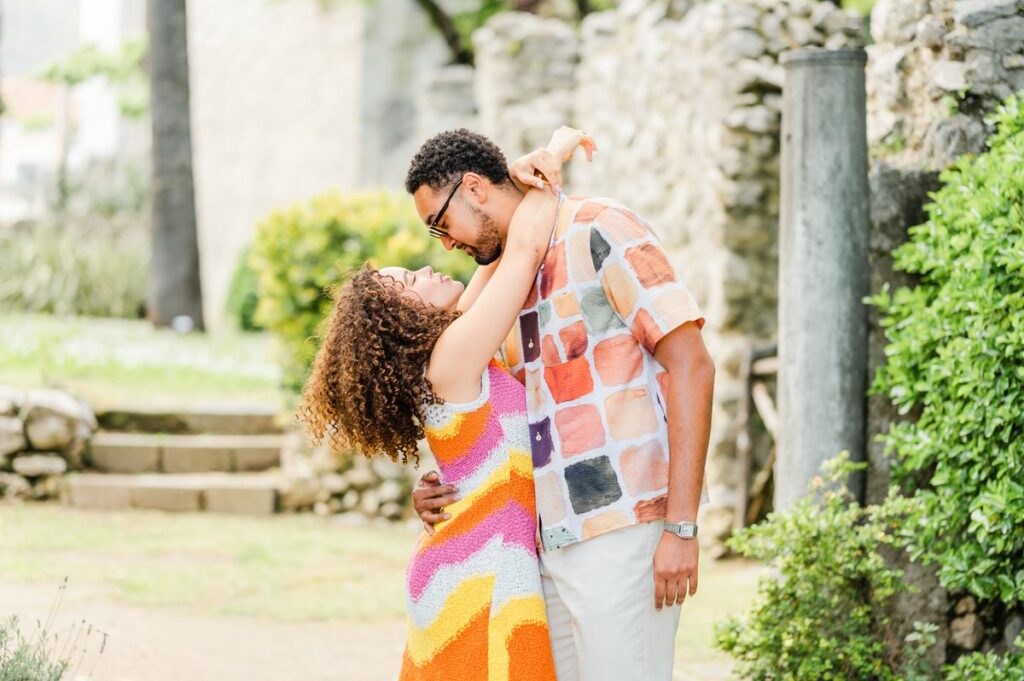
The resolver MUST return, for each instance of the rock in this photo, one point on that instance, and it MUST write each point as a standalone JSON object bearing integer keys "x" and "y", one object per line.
{"x": 951, "y": 138}
{"x": 299, "y": 492}
{"x": 369, "y": 503}
{"x": 350, "y": 500}
{"x": 759, "y": 73}
{"x": 351, "y": 519}
{"x": 746, "y": 43}
{"x": 321, "y": 508}
{"x": 1001, "y": 35}
{"x": 802, "y": 33}
{"x": 52, "y": 419}
{"x": 1013, "y": 61}
{"x": 895, "y": 21}
{"x": 46, "y": 488}
{"x": 11, "y": 400}
{"x": 391, "y": 511}
{"x": 1012, "y": 630}
{"x": 13, "y": 486}
{"x": 334, "y": 483}
{"x": 386, "y": 468}
{"x": 965, "y": 605}
{"x": 12, "y": 435}
{"x": 37, "y": 465}
{"x": 758, "y": 119}
{"x": 966, "y": 632}
{"x": 931, "y": 31}
{"x": 361, "y": 478}
{"x": 390, "y": 491}
{"x": 950, "y": 76}
{"x": 973, "y": 13}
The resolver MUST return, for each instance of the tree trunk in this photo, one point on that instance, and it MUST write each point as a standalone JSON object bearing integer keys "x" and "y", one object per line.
{"x": 174, "y": 290}
{"x": 443, "y": 23}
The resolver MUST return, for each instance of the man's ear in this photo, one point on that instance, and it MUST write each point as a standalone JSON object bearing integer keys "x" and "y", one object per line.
{"x": 476, "y": 186}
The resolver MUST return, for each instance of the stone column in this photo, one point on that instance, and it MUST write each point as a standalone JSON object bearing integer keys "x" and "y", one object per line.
{"x": 823, "y": 267}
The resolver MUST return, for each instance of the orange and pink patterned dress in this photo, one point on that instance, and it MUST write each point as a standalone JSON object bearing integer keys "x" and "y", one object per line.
{"x": 476, "y": 609}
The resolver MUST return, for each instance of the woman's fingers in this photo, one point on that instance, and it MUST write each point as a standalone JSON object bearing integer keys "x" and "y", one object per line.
{"x": 589, "y": 146}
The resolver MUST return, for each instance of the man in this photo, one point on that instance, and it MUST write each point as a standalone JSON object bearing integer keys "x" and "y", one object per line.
{"x": 619, "y": 386}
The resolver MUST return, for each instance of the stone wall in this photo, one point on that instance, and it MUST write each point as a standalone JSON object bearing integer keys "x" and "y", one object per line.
{"x": 684, "y": 100}
{"x": 936, "y": 70}
{"x": 43, "y": 434}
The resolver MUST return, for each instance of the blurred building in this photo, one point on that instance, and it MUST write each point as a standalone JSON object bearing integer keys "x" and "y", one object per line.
{"x": 289, "y": 98}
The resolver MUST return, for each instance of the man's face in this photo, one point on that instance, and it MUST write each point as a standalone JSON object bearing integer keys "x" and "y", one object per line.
{"x": 465, "y": 224}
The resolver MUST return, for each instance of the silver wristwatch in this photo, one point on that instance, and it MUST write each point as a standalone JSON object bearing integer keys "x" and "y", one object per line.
{"x": 682, "y": 530}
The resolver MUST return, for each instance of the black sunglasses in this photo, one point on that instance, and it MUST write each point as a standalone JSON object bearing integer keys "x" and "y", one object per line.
{"x": 435, "y": 231}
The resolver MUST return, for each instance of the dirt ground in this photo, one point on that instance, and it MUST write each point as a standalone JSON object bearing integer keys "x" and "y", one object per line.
{"x": 146, "y": 644}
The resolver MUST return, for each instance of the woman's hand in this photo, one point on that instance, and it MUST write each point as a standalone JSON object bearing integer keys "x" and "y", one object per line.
{"x": 544, "y": 166}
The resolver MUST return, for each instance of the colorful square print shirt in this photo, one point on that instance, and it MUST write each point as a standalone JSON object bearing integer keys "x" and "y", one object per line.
{"x": 584, "y": 347}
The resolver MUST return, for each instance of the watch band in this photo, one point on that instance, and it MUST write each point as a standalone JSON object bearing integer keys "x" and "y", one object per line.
{"x": 683, "y": 530}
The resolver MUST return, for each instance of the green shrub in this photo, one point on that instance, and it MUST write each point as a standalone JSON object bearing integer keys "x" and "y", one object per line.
{"x": 22, "y": 660}
{"x": 93, "y": 268}
{"x": 987, "y": 667}
{"x": 242, "y": 294}
{"x": 822, "y": 616}
{"x": 302, "y": 251}
{"x": 956, "y": 343}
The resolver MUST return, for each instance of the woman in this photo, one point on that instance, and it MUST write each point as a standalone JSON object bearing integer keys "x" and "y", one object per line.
{"x": 407, "y": 357}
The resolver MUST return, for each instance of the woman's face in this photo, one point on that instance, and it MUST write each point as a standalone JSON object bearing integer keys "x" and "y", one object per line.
{"x": 433, "y": 288}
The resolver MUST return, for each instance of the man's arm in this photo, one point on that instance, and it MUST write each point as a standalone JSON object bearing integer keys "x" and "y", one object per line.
{"x": 688, "y": 392}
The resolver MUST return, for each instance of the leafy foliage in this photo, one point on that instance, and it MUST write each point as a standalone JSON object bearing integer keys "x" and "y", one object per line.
{"x": 988, "y": 667}
{"x": 301, "y": 252}
{"x": 92, "y": 267}
{"x": 243, "y": 295}
{"x": 956, "y": 362}
{"x": 22, "y": 660}
{"x": 125, "y": 69}
{"x": 822, "y": 616}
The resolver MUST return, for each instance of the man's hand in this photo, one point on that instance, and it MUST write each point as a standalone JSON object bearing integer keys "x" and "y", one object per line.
{"x": 675, "y": 570}
{"x": 429, "y": 497}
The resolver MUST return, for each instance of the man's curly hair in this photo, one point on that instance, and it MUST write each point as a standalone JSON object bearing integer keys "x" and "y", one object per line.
{"x": 369, "y": 385}
{"x": 446, "y": 157}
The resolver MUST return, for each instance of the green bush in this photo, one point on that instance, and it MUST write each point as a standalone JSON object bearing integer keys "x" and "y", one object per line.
{"x": 956, "y": 343}
{"x": 302, "y": 251}
{"x": 987, "y": 667}
{"x": 22, "y": 660}
{"x": 93, "y": 268}
{"x": 822, "y": 615}
{"x": 243, "y": 295}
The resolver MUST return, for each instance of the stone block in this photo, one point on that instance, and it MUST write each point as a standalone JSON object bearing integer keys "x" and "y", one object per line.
{"x": 12, "y": 435}
{"x": 125, "y": 453}
{"x": 166, "y": 495}
{"x": 241, "y": 499}
{"x": 255, "y": 458}
{"x": 40, "y": 464}
{"x": 100, "y": 492}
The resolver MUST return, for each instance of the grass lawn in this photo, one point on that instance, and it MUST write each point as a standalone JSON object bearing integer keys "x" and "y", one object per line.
{"x": 285, "y": 567}
{"x": 108, "y": 361}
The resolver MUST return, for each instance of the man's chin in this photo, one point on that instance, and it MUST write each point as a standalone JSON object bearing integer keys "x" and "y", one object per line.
{"x": 486, "y": 258}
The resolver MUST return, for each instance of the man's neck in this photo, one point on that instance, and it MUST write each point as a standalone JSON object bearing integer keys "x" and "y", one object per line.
{"x": 506, "y": 201}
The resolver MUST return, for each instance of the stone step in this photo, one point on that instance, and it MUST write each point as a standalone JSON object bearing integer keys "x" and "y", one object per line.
{"x": 159, "y": 453}
{"x": 208, "y": 418}
{"x": 239, "y": 493}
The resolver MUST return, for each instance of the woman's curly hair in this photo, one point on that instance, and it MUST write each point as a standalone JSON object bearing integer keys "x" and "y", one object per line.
{"x": 369, "y": 385}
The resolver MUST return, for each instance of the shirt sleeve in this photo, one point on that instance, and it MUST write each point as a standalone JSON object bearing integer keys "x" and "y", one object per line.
{"x": 642, "y": 286}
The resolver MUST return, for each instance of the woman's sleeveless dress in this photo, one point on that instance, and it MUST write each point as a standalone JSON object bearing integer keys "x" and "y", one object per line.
{"x": 476, "y": 610}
